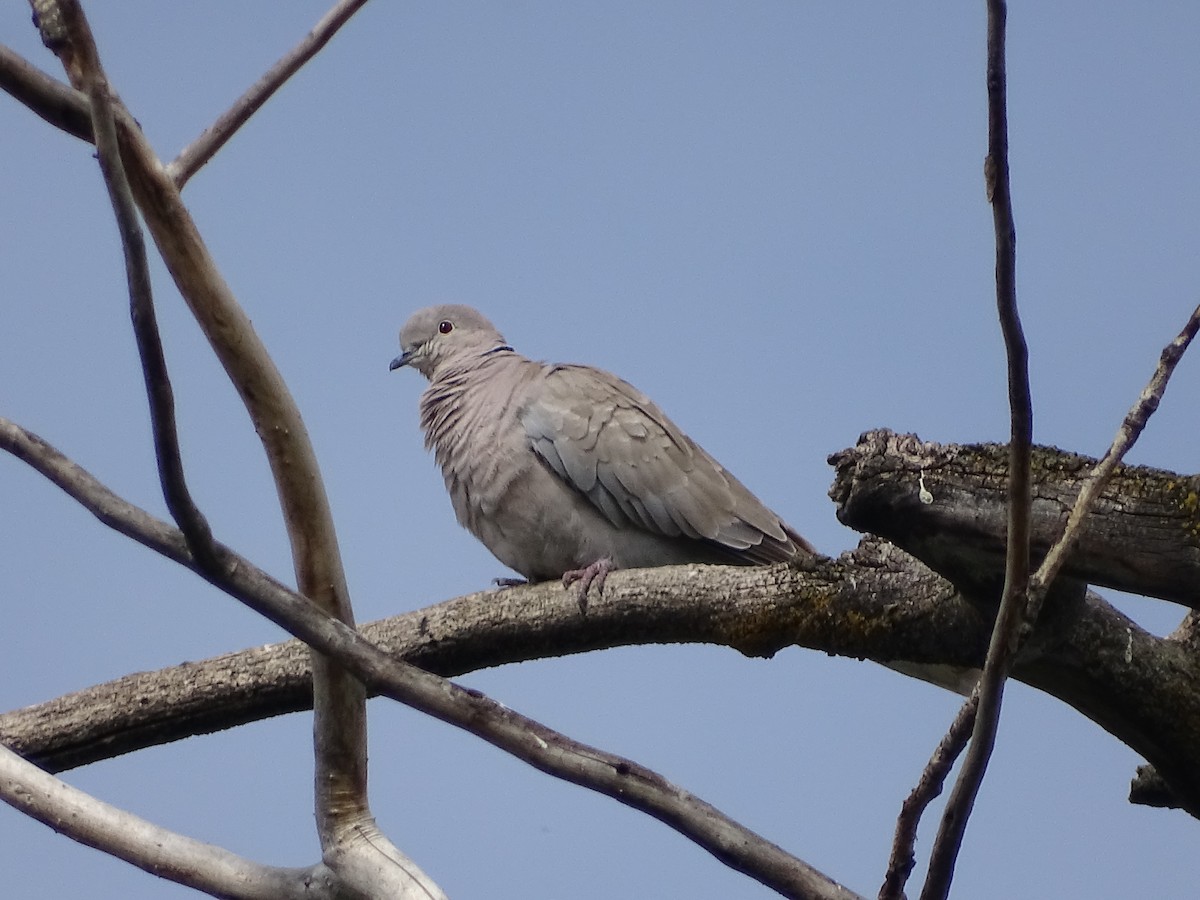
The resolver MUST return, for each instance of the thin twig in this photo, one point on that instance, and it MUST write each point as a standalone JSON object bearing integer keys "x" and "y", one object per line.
{"x": 1127, "y": 434}
{"x": 903, "y": 858}
{"x": 213, "y": 138}
{"x": 191, "y": 521}
{"x": 1131, "y": 428}
{"x": 1002, "y": 649}
{"x": 545, "y": 749}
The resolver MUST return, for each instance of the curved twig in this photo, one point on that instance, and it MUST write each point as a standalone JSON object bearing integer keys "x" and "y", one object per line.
{"x": 213, "y": 138}
{"x": 191, "y": 521}
{"x": 902, "y": 859}
{"x": 1127, "y": 434}
{"x": 1002, "y": 650}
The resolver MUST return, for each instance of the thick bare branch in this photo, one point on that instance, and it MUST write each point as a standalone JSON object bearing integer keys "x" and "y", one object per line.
{"x": 143, "y": 844}
{"x": 878, "y": 603}
{"x": 1089, "y": 493}
{"x": 526, "y": 739}
{"x": 340, "y": 708}
{"x": 1040, "y": 586}
{"x": 213, "y": 138}
{"x": 59, "y": 104}
{"x": 1142, "y": 535}
{"x": 1144, "y": 531}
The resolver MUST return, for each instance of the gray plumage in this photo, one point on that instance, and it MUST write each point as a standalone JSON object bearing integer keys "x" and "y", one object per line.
{"x": 568, "y": 471}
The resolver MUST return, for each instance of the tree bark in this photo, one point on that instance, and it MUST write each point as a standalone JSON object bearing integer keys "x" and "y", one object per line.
{"x": 1143, "y": 536}
{"x": 876, "y": 602}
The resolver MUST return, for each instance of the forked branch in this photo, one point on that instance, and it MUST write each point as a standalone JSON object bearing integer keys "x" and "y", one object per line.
{"x": 340, "y": 726}
{"x": 201, "y": 150}
{"x": 528, "y": 740}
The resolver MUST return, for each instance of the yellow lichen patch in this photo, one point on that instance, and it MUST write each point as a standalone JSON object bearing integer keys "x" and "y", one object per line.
{"x": 1183, "y": 496}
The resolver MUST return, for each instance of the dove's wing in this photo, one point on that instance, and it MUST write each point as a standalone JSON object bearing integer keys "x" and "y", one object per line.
{"x": 616, "y": 447}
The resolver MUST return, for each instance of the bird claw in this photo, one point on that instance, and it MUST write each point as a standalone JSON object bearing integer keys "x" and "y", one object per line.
{"x": 594, "y": 574}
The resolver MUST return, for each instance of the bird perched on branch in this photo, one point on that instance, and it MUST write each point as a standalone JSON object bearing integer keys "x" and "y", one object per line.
{"x": 566, "y": 471}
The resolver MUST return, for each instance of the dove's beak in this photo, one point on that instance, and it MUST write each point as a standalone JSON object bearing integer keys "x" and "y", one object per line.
{"x": 402, "y": 360}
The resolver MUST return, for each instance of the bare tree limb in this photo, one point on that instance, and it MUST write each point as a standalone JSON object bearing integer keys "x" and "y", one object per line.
{"x": 191, "y": 521}
{"x": 1089, "y": 493}
{"x": 1145, "y": 532}
{"x": 340, "y": 709}
{"x": 1090, "y": 490}
{"x": 59, "y": 104}
{"x": 148, "y": 852}
{"x": 1142, "y": 536}
{"x": 876, "y": 603}
{"x": 67, "y": 109}
{"x": 541, "y": 747}
{"x": 933, "y": 778}
{"x": 213, "y": 138}
{"x": 149, "y": 847}
{"x": 1003, "y": 647}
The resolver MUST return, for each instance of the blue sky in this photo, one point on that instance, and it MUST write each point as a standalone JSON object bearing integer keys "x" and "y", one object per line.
{"x": 768, "y": 216}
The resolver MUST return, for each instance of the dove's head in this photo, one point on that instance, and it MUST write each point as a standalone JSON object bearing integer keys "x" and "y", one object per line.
{"x": 437, "y": 335}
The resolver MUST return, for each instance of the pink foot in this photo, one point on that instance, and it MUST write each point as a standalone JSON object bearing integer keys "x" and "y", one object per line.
{"x": 595, "y": 574}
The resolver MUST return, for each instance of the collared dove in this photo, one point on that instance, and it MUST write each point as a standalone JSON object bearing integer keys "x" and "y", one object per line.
{"x": 566, "y": 471}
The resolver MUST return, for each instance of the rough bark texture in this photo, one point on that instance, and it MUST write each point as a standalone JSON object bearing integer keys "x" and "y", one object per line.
{"x": 946, "y": 505}
{"x": 1143, "y": 536}
{"x": 876, "y": 602}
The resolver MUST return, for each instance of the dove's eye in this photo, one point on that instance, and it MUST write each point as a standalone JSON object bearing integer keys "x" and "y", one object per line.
{"x": 445, "y": 326}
